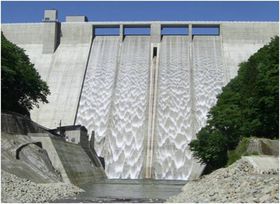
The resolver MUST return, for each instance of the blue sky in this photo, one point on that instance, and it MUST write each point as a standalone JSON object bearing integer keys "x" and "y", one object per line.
{"x": 143, "y": 11}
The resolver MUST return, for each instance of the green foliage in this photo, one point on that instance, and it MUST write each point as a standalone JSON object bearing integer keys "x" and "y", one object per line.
{"x": 240, "y": 150}
{"x": 247, "y": 106}
{"x": 21, "y": 85}
{"x": 210, "y": 151}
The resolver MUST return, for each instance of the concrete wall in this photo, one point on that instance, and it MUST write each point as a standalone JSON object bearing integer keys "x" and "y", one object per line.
{"x": 51, "y": 36}
{"x": 241, "y": 40}
{"x": 70, "y": 160}
{"x": 23, "y": 33}
{"x": 64, "y": 78}
{"x": 249, "y": 31}
{"x": 20, "y": 156}
{"x": 76, "y": 18}
{"x": 76, "y": 33}
{"x": 13, "y": 123}
{"x": 63, "y": 70}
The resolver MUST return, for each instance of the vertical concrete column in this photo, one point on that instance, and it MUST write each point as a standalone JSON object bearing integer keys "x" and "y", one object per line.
{"x": 121, "y": 32}
{"x": 51, "y": 31}
{"x": 50, "y": 37}
{"x": 154, "y": 65}
{"x": 194, "y": 123}
{"x": 221, "y": 28}
{"x": 155, "y": 33}
{"x": 190, "y": 32}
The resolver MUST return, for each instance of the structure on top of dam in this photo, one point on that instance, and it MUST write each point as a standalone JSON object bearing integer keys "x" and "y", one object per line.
{"x": 144, "y": 96}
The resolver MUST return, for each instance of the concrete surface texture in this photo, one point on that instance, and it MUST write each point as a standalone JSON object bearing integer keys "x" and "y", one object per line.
{"x": 78, "y": 166}
{"x": 114, "y": 98}
{"x": 50, "y": 37}
{"x": 76, "y": 19}
{"x": 21, "y": 156}
{"x": 47, "y": 144}
{"x": 24, "y": 33}
{"x": 13, "y": 123}
{"x": 71, "y": 160}
{"x": 241, "y": 40}
{"x": 64, "y": 78}
{"x": 50, "y": 15}
{"x": 263, "y": 146}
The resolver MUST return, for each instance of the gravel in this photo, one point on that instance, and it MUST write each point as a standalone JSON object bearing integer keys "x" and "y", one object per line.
{"x": 236, "y": 183}
{"x": 20, "y": 190}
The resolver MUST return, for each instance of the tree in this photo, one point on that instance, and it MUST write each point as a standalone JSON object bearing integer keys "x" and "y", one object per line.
{"x": 247, "y": 106}
{"x": 21, "y": 85}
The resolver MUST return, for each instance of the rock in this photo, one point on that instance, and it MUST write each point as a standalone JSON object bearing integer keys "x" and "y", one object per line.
{"x": 265, "y": 198}
{"x": 15, "y": 189}
{"x": 237, "y": 183}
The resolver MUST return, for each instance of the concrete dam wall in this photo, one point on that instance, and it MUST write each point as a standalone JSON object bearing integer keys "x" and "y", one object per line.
{"x": 145, "y": 97}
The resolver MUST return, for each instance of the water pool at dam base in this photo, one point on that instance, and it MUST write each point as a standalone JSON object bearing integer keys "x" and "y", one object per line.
{"x": 127, "y": 190}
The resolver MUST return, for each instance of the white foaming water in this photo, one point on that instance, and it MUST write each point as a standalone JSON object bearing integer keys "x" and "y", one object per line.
{"x": 173, "y": 116}
{"x": 115, "y": 97}
{"x": 186, "y": 92}
{"x": 96, "y": 98}
{"x": 128, "y": 126}
{"x": 208, "y": 75}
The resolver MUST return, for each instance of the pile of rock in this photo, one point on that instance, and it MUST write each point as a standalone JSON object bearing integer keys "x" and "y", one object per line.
{"x": 237, "y": 183}
{"x": 15, "y": 189}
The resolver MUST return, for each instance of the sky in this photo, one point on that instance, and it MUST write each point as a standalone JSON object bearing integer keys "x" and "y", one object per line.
{"x": 17, "y": 12}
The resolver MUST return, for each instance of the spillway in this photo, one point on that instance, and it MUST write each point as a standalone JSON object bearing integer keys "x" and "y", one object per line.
{"x": 209, "y": 76}
{"x": 114, "y": 102}
{"x": 128, "y": 125}
{"x": 190, "y": 77}
{"x": 116, "y": 96}
{"x": 173, "y": 114}
{"x": 96, "y": 97}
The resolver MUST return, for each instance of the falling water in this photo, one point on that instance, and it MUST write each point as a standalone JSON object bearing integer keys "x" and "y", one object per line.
{"x": 115, "y": 101}
{"x": 96, "y": 98}
{"x": 208, "y": 75}
{"x": 173, "y": 120}
{"x": 129, "y": 111}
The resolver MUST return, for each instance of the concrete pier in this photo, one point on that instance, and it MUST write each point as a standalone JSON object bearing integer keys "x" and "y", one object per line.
{"x": 51, "y": 32}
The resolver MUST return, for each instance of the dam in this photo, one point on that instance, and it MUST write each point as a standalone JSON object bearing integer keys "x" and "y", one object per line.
{"x": 144, "y": 97}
